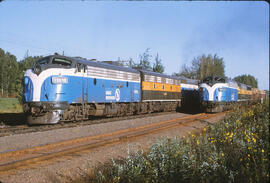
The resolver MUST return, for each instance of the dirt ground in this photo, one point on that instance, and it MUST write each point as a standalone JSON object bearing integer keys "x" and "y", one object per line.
{"x": 69, "y": 168}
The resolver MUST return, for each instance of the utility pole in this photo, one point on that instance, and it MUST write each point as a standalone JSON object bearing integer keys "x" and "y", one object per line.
{"x": 26, "y": 54}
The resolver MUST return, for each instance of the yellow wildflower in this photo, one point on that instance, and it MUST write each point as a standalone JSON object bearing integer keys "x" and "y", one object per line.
{"x": 248, "y": 140}
{"x": 250, "y": 113}
{"x": 198, "y": 142}
{"x": 204, "y": 129}
{"x": 262, "y": 151}
{"x": 228, "y": 134}
{"x": 222, "y": 154}
{"x": 254, "y": 140}
{"x": 255, "y": 150}
{"x": 231, "y": 135}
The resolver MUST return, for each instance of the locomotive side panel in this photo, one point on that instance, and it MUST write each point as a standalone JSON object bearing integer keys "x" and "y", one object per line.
{"x": 107, "y": 85}
{"x": 160, "y": 91}
{"x": 159, "y": 87}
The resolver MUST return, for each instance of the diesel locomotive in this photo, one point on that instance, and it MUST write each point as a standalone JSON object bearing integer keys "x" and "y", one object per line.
{"x": 221, "y": 93}
{"x": 72, "y": 89}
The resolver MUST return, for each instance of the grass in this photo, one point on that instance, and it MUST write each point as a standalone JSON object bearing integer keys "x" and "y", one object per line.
{"x": 234, "y": 150}
{"x": 10, "y": 105}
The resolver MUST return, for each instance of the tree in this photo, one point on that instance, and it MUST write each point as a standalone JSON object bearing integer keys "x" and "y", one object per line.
{"x": 158, "y": 67}
{"x": 248, "y": 80}
{"x": 203, "y": 66}
{"x": 130, "y": 63}
{"x": 28, "y": 62}
{"x": 145, "y": 60}
{"x": 185, "y": 71}
{"x": 9, "y": 73}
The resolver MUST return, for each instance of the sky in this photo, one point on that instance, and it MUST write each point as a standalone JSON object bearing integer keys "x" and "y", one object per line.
{"x": 236, "y": 31}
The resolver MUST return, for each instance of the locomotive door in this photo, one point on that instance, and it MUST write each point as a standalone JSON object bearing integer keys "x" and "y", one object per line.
{"x": 84, "y": 84}
{"x": 131, "y": 91}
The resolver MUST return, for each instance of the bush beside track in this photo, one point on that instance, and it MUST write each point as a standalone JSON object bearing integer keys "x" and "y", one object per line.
{"x": 234, "y": 150}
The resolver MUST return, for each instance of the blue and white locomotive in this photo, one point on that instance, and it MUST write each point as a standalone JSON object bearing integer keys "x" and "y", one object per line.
{"x": 70, "y": 88}
{"x": 217, "y": 93}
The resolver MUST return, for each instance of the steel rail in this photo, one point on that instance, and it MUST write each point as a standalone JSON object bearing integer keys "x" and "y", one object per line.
{"x": 22, "y": 129}
{"x": 20, "y": 159}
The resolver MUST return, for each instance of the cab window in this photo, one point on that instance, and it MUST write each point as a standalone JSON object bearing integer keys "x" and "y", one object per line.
{"x": 61, "y": 61}
{"x": 43, "y": 61}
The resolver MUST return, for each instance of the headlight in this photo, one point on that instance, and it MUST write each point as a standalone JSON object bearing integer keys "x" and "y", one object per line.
{"x": 59, "y": 80}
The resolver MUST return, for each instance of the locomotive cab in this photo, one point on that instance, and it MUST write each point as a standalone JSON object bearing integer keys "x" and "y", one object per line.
{"x": 43, "y": 96}
{"x": 51, "y": 62}
{"x": 217, "y": 93}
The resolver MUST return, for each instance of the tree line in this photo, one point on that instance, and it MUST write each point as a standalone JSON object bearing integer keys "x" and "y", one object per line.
{"x": 203, "y": 66}
{"x": 11, "y": 73}
{"x": 11, "y": 70}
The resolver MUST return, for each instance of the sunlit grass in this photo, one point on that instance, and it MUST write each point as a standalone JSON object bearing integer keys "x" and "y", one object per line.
{"x": 234, "y": 150}
{"x": 10, "y": 105}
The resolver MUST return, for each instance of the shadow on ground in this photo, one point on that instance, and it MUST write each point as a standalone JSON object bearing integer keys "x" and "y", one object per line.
{"x": 12, "y": 119}
{"x": 190, "y": 110}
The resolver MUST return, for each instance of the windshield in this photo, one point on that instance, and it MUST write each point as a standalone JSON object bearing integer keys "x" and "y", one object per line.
{"x": 213, "y": 80}
{"x": 43, "y": 61}
{"x": 61, "y": 61}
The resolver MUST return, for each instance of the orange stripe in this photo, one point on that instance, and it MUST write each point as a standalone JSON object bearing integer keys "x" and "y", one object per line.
{"x": 160, "y": 87}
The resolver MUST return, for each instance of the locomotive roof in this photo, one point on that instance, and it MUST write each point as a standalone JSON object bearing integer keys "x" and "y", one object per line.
{"x": 105, "y": 65}
{"x": 159, "y": 74}
{"x": 188, "y": 80}
{"x": 95, "y": 64}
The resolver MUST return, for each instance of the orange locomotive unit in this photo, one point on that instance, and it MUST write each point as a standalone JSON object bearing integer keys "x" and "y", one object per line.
{"x": 161, "y": 92}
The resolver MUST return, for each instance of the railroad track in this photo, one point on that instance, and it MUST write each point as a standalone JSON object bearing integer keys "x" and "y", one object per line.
{"x": 26, "y": 158}
{"x": 22, "y": 129}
